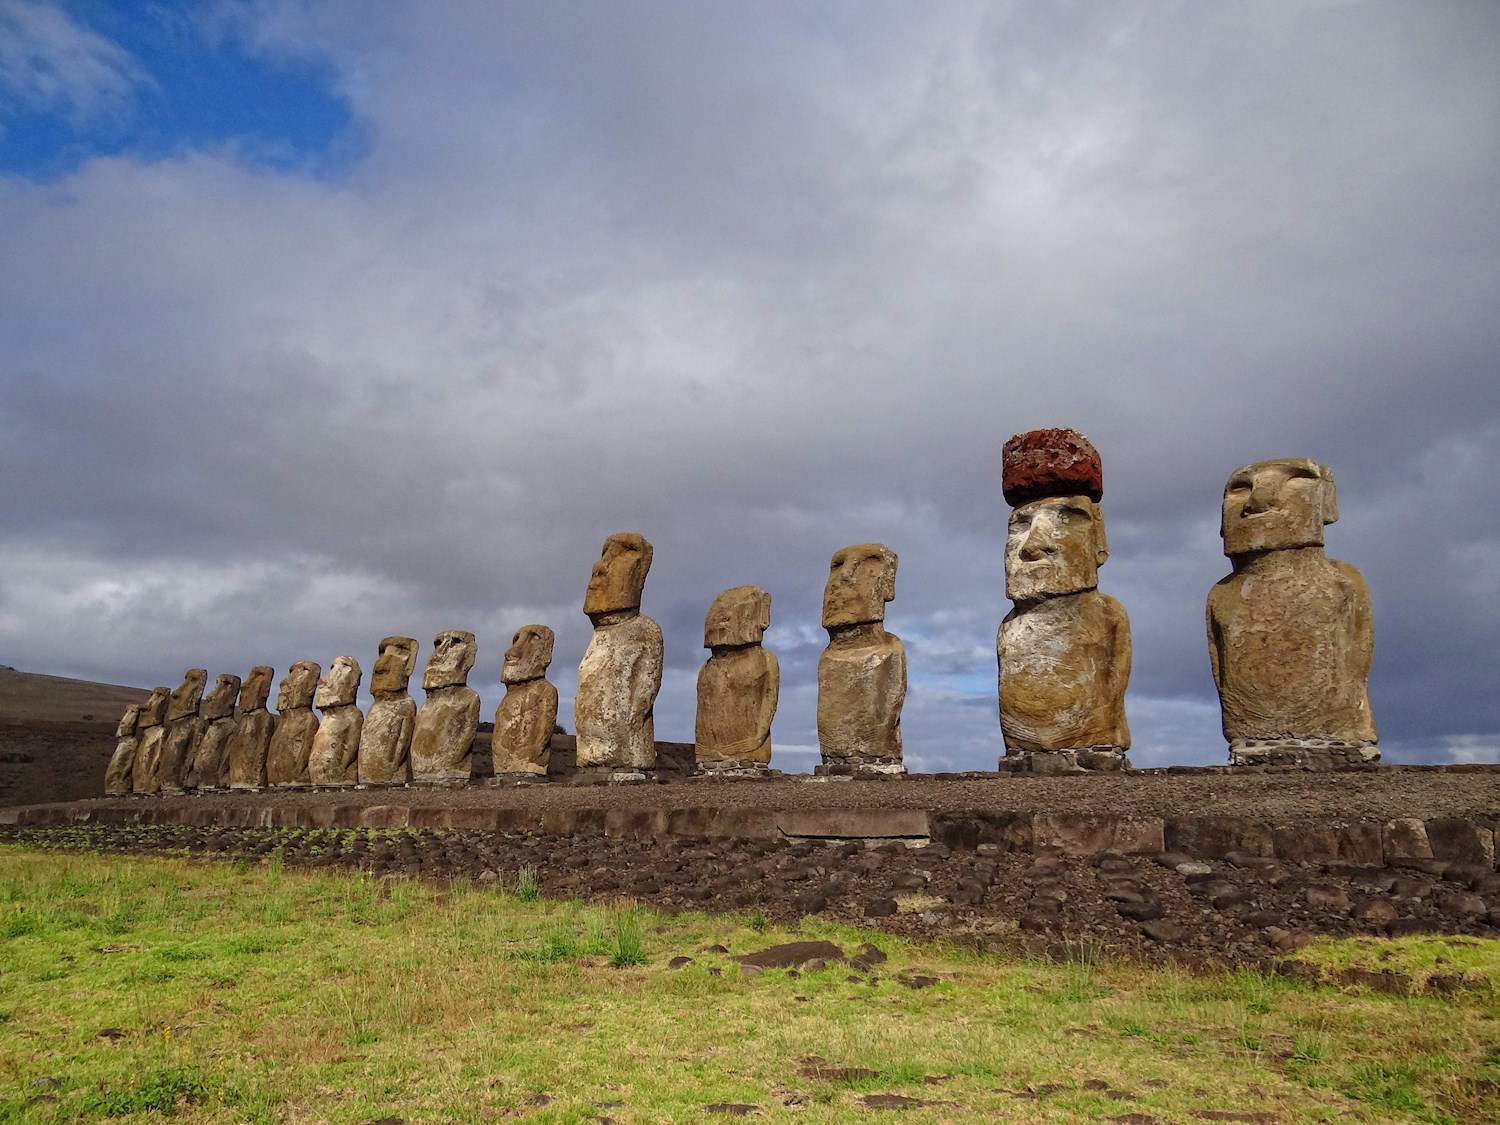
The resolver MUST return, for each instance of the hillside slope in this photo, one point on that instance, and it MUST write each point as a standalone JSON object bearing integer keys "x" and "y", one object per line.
{"x": 56, "y": 735}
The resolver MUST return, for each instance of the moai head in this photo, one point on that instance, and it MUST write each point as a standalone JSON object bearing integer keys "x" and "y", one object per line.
{"x": 219, "y": 703}
{"x": 529, "y": 655}
{"x": 1055, "y": 541}
{"x": 1277, "y": 505}
{"x": 187, "y": 696}
{"x": 257, "y": 688}
{"x": 298, "y": 686}
{"x": 861, "y": 579}
{"x": 739, "y": 616}
{"x": 619, "y": 576}
{"x": 341, "y": 685}
{"x": 154, "y": 710}
{"x": 393, "y": 667}
{"x": 128, "y": 721}
{"x": 452, "y": 657}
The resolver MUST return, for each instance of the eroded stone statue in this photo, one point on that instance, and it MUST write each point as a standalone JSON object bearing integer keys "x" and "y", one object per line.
{"x": 528, "y": 712}
{"x": 442, "y": 743}
{"x": 621, "y": 670}
{"x": 296, "y": 727}
{"x": 862, "y": 672}
{"x": 250, "y": 744}
{"x": 183, "y": 727}
{"x": 118, "y": 774}
{"x": 739, "y": 684}
{"x": 334, "y": 759}
{"x": 1064, "y": 649}
{"x": 385, "y": 740}
{"x": 146, "y": 777}
{"x": 211, "y": 758}
{"x": 1290, "y": 635}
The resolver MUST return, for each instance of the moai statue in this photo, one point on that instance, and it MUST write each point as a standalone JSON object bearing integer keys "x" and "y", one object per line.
{"x": 211, "y": 760}
{"x": 442, "y": 742}
{"x": 528, "y": 712}
{"x": 1064, "y": 650}
{"x": 250, "y": 744}
{"x": 738, "y": 686}
{"x": 862, "y": 672}
{"x": 296, "y": 727}
{"x": 385, "y": 741}
{"x": 146, "y": 777}
{"x": 621, "y": 670}
{"x": 117, "y": 775}
{"x": 1290, "y": 635}
{"x": 335, "y": 749}
{"x": 183, "y": 728}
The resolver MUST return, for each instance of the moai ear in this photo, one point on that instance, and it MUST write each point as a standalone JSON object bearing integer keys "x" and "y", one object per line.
{"x": 887, "y": 585}
{"x": 1328, "y": 495}
{"x": 764, "y": 614}
{"x": 1101, "y": 544}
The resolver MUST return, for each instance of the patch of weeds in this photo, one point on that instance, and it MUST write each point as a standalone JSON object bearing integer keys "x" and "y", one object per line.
{"x": 758, "y": 920}
{"x": 1390, "y": 1086}
{"x": 527, "y": 888}
{"x": 630, "y": 942}
{"x": 164, "y": 1090}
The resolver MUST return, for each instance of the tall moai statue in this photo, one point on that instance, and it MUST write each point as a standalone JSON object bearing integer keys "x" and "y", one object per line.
{"x": 183, "y": 728}
{"x": 334, "y": 759}
{"x": 1290, "y": 635}
{"x": 442, "y": 744}
{"x": 862, "y": 672}
{"x": 146, "y": 778}
{"x": 385, "y": 740}
{"x": 211, "y": 759}
{"x": 620, "y": 674}
{"x": 296, "y": 727}
{"x": 522, "y": 743}
{"x": 118, "y": 774}
{"x": 738, "y": 686}
{"x": 250, "y": 744}
{"x": 1064, "y": 649}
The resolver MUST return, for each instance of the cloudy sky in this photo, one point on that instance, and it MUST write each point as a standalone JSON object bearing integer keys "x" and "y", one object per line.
{"x": 321, "y": 321}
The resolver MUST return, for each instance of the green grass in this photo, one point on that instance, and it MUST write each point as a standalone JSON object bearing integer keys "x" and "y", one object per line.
{"x": 146, "y": 990}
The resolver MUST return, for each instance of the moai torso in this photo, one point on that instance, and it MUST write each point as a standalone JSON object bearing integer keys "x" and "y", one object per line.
{"x": 146, "y": 776}
{"x": 385, "y": 738}
{"x": 296, "y": 727}
{"x": 442, "y": 743}
{"x": 211, "y": 759}
{"x": 862, "y": 672}
{"x": 118, "y": 774}
{"x": 183, "y": 729}
{"x": 527, "y": 714}
{"x": 250, "y": 743}
{"x": 740, "y": 683}
{"x": 334, "y": 759}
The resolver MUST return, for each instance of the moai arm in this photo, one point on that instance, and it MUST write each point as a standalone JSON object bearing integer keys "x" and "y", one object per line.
{"x": 770, "y": 697}
{"x": 1361, "y": 640}
{"x": 1117, "y": 668}
{"x": 1215, "y": 639}
{"x": 645, "y": 669}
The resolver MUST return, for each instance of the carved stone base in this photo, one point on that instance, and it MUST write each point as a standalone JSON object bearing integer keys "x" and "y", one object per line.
{"x": 1049, "y": 763}
{"x": 862, "y": 767}
{"x": 511, "y": 779}
{"x": 730, "y": 769}
{"x": 1302, "y": 753}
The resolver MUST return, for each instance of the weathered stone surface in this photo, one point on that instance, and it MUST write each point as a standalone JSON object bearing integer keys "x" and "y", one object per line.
{"x": 620, "y": 674}
{"x": 527, "y": 715}
{"x": 385, "y": 738}
{"x": 1290, "y": 633}
{"x": 1057, "y": 462}
{"x": 250, "y": 744}
{"x": 210, "y": 758}
{"x": 146, "y": 777}
{"x": 862, "y": 672}
{"x": 118, "y": 774}
{"x": 740, "y": 684}
{"x": 334, "y": 759}
{"x": 296, "y": 726}
{"x": 183, "y": 728}
{"x": 442, "y": 741}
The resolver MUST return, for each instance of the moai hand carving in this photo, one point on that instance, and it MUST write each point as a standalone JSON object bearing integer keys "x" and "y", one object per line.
{"x": 620, "y": 674}
{"x": 385, "y": 741}
{"x": 1064, "y": 650}
{"x": 250, "y": 744}
{"x": 211, "y": 759}
{"x": 183, "y": 728}
{"x": 117, "y": 775}
{"x": 147, "y": 775}
{"x": 739, "y": 685}
{"x": 1290, "y": 635}
{"x": 862, "y": 672}
{"x": 442, "y": 743}
{"x": 334, "y": 759}
{"x": 524, "y": 720}
{"x": 296, "y": 727}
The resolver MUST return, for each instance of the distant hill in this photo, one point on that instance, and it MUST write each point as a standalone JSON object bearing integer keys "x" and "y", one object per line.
{"x": 28, "y": 699}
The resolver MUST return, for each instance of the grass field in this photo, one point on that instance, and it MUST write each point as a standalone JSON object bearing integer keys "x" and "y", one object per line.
{"x": 145, "y": 989}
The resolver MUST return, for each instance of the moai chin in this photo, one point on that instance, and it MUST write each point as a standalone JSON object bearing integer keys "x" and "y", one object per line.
{"x": 738, "y": 686}
{"x": 146, "y": 777}
{"x": 862, "y": 672}
{"x": 385, "y": 740}
{"x": 522, "y": 743}
{"x": 118, "y": 774}
{"x": 334, "y": 759}
{"x": 211, "y": 759}
{"x": 620, "y": 674}
{"x": 183, "y": 728}
{"x": 250, "y": 743}
{"x": 442, "y": 743}
{"x": 1064, "y": 649}
{"x": 296, "y": 727}
{"x": 1290, "y": 635}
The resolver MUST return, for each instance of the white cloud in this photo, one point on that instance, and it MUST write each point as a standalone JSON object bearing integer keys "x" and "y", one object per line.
{"x": 51, "y": 62}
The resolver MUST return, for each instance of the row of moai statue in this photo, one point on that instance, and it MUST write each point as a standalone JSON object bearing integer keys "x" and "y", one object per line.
{"x": 1289, "y": 630}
